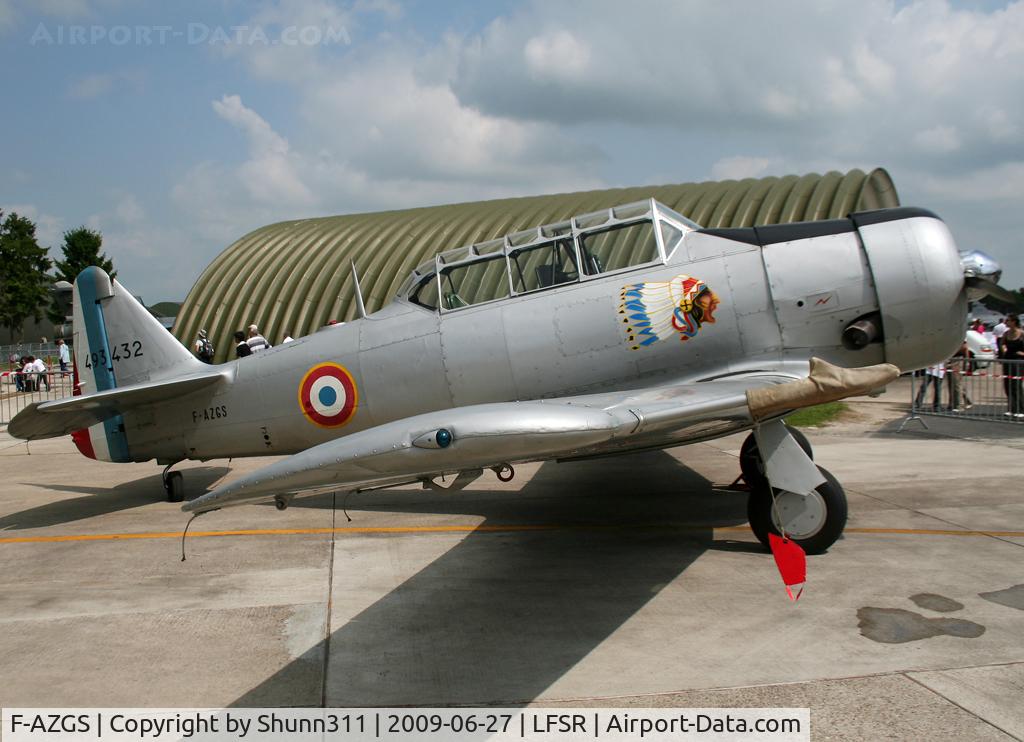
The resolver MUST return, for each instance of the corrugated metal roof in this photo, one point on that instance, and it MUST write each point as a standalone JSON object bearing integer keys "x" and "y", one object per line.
{"x": 292, "y": 277}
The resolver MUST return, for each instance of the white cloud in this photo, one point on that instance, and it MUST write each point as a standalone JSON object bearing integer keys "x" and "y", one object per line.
{"x": 1003, "y": 183}
{"x": 91, "y": 86}
{"x": 100, "y": 84}
{"x": 418, "y": 129}
{"x": 135, "y": 243}
{"x": 852, "y": 75}
{"x": 839, "y": 87}
{"x": 413, "y": 147}
{"x": 1001, "y": 128}
{"x": 128, "y": 210}
{"x": 738, "y": 167}
{"x": 270, "y": 175}
{"x": 557, "y": 55}
{"x": 781, "y": 105}
{"x": 64, "y": 9}
{"x": 875, "y": 72}
{"x": 380, "y": 127}
{"x": 388, "y": 8}
{"x": 938, "y": 139}
{"x": 325, "y": 25}
{"x": 7, "y": 14}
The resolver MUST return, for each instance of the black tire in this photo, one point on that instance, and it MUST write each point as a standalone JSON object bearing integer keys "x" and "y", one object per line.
{"x": 750, "y": 458}
{"x": 759, "y": 513}
{"x": 174, "y": 485}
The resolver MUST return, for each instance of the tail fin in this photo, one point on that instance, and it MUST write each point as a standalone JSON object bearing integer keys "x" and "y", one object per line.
{"x": 119, "y": 343}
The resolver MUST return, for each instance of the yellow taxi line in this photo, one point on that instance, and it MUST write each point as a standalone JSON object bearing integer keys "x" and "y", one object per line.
{"x": 510, "y": 528}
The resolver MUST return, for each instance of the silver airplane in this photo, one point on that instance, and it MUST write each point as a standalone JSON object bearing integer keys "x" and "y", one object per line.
{"x": 627, "y": 329}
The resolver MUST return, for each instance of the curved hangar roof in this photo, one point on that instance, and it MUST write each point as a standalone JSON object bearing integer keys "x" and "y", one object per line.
{"x": 295, "y": 276}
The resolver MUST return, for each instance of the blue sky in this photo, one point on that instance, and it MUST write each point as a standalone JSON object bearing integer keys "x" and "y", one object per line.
{"x": 175, "y": 128}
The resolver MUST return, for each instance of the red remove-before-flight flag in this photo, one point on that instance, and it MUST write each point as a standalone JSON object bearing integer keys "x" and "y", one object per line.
{"x": 792, "y": 563}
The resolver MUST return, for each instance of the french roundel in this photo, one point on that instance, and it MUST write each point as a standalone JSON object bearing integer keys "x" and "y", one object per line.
{"x": 328, "y": 396}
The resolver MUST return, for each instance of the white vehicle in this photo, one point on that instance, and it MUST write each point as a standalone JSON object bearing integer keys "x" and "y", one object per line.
{"x": 980, "y": 349}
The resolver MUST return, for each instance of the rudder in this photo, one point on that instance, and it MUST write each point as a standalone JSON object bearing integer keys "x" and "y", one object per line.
{"x": 118, "y": 343}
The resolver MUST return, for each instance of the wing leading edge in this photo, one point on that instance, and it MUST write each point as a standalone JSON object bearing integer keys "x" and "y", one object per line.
{"x": 488, "y": 435}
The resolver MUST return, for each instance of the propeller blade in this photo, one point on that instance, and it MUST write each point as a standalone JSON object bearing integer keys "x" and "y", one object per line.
{"x": 978, "y": 287}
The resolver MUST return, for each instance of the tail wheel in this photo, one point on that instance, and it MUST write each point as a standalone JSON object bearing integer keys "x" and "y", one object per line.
{"x": 751, "y": 465}
{"x": 174, "y": 486}
{"x": 814, "y": 522}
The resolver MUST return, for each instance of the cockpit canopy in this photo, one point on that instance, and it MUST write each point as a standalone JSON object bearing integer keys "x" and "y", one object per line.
{"x": 578, "y": 249}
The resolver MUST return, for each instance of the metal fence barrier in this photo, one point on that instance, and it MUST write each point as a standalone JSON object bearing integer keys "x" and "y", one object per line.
{"x": 39, "y": 350}
{"x": 971, "y": 389}
{"x": 18, "y": 390}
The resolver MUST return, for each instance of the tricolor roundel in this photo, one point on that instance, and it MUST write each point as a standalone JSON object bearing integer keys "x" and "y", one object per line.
{"x": 328, "y": 396}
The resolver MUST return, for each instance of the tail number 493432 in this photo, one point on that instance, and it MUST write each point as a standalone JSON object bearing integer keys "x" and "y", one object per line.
{"x": 120, "y": 352}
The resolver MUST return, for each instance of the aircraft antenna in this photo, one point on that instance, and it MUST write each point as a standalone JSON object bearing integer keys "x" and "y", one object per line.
{"x": 359, "y": 291}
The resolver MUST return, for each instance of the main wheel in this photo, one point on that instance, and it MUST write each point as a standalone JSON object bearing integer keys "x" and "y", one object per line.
{"x": 751, "y": 465}
{"x": 174, "y": 486}
{"x": 814, "y": 522}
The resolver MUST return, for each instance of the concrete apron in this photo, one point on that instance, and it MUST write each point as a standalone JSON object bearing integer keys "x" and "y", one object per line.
{"x": 633, "y": 580}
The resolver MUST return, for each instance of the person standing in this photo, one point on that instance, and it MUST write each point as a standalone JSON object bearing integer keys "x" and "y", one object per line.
{"x": 1011, "y": 348}
{"x": 64, "y": 356}
{"x": 18, "y": 364}
{"x": 959, "y": 400}
{"x": 242, "y": 348}
{"x": 38, "y": 367}
{"x": 932, "y": 377}
{"x": 203, "y": 348}
{"x": 256, "y": 341}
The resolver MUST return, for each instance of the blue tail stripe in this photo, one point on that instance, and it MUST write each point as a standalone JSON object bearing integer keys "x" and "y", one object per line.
{"x": 102, "y": 373}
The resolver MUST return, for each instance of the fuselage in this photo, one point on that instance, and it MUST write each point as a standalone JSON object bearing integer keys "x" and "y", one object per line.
{"x": 780, "y": 298}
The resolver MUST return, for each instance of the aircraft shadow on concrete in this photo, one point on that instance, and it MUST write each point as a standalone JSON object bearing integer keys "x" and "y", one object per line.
{"x": 503, "y": 615}
{"x": 96, "y": 501}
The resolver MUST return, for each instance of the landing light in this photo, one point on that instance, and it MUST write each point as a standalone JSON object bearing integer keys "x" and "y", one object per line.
{"x": 440, "y": 438}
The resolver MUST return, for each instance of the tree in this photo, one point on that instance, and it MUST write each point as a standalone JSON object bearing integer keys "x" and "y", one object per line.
{"x": 24, "y": 283}
{"x": 81, "y": 249}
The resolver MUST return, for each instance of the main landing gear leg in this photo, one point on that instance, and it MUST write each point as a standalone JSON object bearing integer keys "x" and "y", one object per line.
{"x": 751, "y": 464}
{"x": 174, "y": 484}
{"x": 813, "y": 521}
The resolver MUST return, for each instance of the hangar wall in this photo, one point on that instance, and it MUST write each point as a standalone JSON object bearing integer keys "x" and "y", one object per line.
{"x": 292, "y": 277}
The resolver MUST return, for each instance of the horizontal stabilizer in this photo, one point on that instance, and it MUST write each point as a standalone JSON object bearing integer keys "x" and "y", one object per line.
{"x": 62, "y": 416}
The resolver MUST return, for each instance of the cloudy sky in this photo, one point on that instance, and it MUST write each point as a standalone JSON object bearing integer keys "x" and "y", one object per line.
{"x": 175, "y": 128}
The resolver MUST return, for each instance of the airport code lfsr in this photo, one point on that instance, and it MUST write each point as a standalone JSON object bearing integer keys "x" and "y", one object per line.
{"x": 404, "y": 725}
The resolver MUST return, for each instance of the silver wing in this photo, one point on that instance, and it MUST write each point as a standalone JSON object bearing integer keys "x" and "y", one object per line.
{"x": 476, "y": 437}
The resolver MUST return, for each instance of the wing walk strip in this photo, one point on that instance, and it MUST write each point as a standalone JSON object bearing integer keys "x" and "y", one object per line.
{"x": 511, "y": 528}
